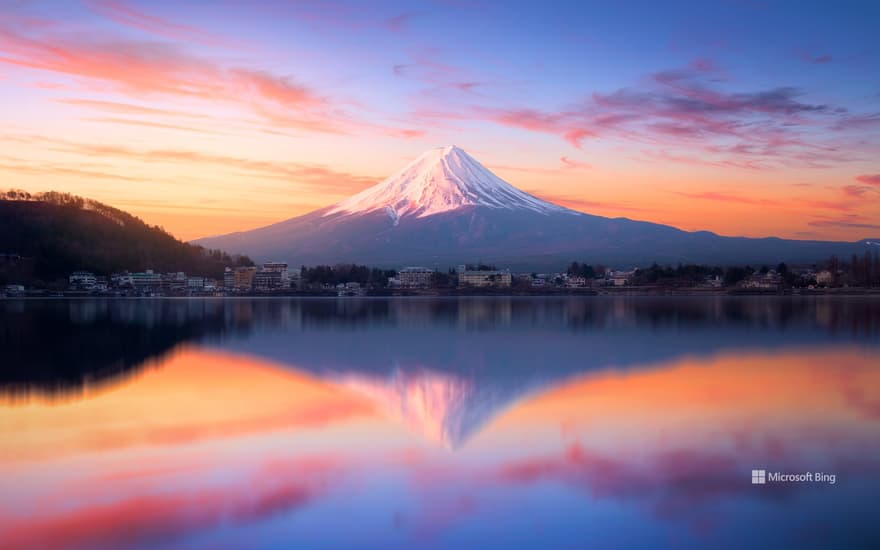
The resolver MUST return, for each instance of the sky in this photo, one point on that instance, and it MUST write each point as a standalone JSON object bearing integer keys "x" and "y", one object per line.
{"x": 743, "y": 117}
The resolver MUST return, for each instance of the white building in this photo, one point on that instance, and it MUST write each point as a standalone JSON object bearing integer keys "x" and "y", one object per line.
{"x": 414, "y": 277}
{"x": 82, "y": 279}
{"x": 195, "y": 283}
{"x": 620, "y": 278}
{"x": 146, "y": 280}
{"x": 279, "y": 267}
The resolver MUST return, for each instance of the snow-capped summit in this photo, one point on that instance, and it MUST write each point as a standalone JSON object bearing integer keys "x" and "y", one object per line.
{"x": 440, "y": 180}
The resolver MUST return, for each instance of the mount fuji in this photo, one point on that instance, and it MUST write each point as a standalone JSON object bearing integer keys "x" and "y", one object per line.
{"x": 446, "y": 208}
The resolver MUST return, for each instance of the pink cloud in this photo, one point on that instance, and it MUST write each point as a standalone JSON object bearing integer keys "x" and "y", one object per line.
{"x": 689, "y": 109}
{"x": 148, "y": 519}
{"x": 574, "y": 164}
{"x": 726, "y": 197}
{"x": 124, "y": 13}
{"x": 146, "y": 69}
{"x": 870, "y": 179}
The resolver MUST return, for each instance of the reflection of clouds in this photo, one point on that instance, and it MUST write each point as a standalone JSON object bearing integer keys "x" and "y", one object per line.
{"x": 159, "y": 516}
{"x": 195, "y": 396}
{"x": 235, "y": 443}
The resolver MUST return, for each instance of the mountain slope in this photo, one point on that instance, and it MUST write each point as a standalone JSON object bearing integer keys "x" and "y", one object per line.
{"x": 62, "y": 233}
{"x": 446, "y": 208}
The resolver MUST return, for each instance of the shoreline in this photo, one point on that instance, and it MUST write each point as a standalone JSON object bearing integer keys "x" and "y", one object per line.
{"x": 474, "y": 293}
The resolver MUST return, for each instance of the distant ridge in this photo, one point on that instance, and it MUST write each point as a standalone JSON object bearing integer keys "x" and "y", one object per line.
{"x": 446, "y": 208}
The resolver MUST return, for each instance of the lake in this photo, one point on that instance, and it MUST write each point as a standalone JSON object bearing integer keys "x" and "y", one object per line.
{"x": 440, "y": 423}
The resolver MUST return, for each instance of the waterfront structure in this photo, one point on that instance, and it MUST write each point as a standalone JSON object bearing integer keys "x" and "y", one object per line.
{"x": 415, "y": 277}
{"x": 484, "y": 278}
{"x": 195, "y": 283}
{"x": 243, "y": 278}
{"x": 14, "y": 290}
{"x": 122, "y": 280}
{"x": 268, "y": 280}
{"x": 146, "y": 280}
{"x": 82, "y": 279}
{"x": 620, "y": 278}
{"x": 825, "y": 278}
{"x": 281, "y": 268}
{"x": 762, "y": 281}
{"x": 174, "y": 282}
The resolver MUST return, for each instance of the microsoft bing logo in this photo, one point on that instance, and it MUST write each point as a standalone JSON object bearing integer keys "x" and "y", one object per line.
{"x": 759, "y": 477}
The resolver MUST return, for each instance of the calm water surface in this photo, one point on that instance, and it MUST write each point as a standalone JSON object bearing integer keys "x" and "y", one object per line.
{"x": 458, "y": 423}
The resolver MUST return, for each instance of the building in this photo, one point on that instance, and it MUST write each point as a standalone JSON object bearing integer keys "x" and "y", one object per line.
{"x": 415, "y": 277}
{"x": 122, "y": 280}
{"x": 272, "y": 276}
{"x": 82, "y": 279}
{"x": 243, "y": 278}
{"x": 620, "y": 278}
{"x": 14, "y": 290}
{"x": 762, "y": 281}
{"x": 268, "y": 280}
{"x": 484, "y": 278}
{"x": 825, "y": 278}
{"x": 174, "y": 282}
{"x": 279, "y": 267}
{"x": 195, "y": 283}
{"x": 228, "y": 278}
{"x": 146, "y": 280}
{"x": 101, "y": 283}
{"x": 349, "y": 289}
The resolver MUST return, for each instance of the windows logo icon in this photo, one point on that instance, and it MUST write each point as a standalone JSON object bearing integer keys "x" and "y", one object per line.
{"x": 759, "y": 477}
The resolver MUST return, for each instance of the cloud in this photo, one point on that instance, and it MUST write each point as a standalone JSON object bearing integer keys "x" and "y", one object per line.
{"x": 534, "y": 120}
{"x": 441, "y": 78}
{"x": 870, "y": 179}
{"x": 107, "y": 63}
{"x": 585, "y": 205}
{"x": 677, "y": 482}
{"x": 691, "y": 109}
{"x": 400, "y": 23}
{"x": 28, "y": 168}
{"x": 159, "y": 125}
{"x": 151, "y": 519}
{"x": 726, "y": 197}
{"x": 816, "y": 59}
{"x": 311, "y": 176}
{"x": 124, "y": 13}
{"x": 852, "y": 221}
{"x": 857, "y": 190}
{"x": 574, "y": 164}
{"x": 127, "y": 108}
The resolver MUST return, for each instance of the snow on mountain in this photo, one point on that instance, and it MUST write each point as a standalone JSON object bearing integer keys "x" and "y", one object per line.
{"x": 441, "y": 180}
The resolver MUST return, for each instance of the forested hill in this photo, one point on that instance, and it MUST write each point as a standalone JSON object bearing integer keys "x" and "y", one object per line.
{"x": 57, "y": 233}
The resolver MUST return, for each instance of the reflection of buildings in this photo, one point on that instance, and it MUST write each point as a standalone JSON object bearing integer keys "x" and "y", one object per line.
{"x": 469, "y": 340}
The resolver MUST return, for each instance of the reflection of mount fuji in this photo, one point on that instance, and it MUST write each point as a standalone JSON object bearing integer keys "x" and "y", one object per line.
{"x": 444, "y": 408}
{"x": 445, "y": 367}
